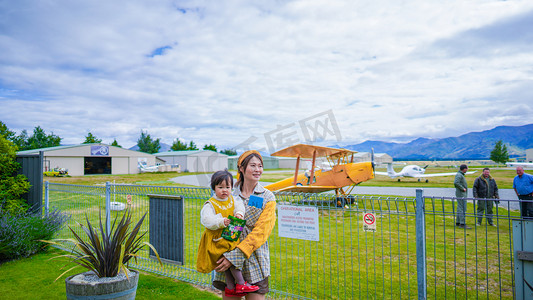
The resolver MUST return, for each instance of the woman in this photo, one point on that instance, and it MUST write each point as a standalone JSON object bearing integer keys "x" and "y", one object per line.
{"x": 252, "y": 254}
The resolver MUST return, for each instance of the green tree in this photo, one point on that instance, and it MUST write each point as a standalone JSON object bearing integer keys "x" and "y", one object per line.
{"x": 8, "y": 134}
{"x": 21, "y": 140}
{"x": 192, "y": 146}
{"x": 12, "y": 186}
{"x": 115, "y": 143}
{"x": 178, "y": 145}
{"x": 147, "y": 144}
{"x": 91, "y": 139}
{"x": 38, "y": 139}
{"x": 499, "y": 154}
{"x": 210, "y": 147}
{"x": 230, "y": 152}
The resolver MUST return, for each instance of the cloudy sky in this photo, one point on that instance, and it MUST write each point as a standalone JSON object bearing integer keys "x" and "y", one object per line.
{"x": 234, "y": 72}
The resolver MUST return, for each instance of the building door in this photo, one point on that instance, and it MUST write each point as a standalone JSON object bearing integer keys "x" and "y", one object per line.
{"x": 97, "y": 165}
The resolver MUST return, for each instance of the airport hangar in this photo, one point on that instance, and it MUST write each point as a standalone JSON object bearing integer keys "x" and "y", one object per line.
{"x": 89, "y": 159}
{"x": 195, "y": 160}
{"x": 379, "y": 158}
{"x": 270, "y": 162}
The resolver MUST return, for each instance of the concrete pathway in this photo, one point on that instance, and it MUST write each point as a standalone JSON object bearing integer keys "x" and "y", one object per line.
{"x": 203, "y": 180}
{"x": 505, "y": 194}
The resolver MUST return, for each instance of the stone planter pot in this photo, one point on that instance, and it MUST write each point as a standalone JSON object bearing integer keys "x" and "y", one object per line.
{"x": 88, "y": 286}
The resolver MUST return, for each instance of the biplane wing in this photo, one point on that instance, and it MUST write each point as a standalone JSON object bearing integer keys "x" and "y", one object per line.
{"x": 307, "y": 189}
{"x": 340, "y": 172}
{"x": 308, "y": 151}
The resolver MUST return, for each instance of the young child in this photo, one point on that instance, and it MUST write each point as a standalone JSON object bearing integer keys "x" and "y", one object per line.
{"x": 214, "y": 216}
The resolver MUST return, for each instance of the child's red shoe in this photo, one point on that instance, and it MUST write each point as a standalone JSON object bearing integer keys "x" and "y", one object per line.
{"x": 245, "y": 288}
{"x": 233, "y": 293}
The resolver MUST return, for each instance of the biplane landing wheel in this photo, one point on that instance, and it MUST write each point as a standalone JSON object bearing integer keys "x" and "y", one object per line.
{"x": 427, "y": 180}
{"x": 342, "y": 201}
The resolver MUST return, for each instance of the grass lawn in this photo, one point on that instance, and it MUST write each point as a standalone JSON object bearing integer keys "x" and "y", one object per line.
{"x": 155, "y": 178}
{"x": 33, "y": 278}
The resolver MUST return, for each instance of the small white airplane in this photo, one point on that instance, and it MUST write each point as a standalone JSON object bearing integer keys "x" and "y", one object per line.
{"x": 414, "y": 171}
{"x": 524, "y": 165}
{"x": 143, "y": 167}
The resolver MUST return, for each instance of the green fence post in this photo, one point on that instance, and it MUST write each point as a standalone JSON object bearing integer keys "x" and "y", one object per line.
{"x": 421, "y": 270}
{"x": 523, "y": 258}
{"x": 46, "y": 198}
{"x": 108, "y": 206}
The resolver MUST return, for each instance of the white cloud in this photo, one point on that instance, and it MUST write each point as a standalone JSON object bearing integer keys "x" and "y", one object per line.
{"x": 220, "y": 72}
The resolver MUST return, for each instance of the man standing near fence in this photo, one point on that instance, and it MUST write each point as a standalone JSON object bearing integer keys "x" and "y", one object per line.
{"x": 461, "y": 192}
{"x": 485, "y": 187}
{"x": 523, "y": 186}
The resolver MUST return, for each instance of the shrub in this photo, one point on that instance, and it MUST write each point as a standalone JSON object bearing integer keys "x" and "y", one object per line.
{"x": 20, "y": 233}
{"x": 12, "y": 186}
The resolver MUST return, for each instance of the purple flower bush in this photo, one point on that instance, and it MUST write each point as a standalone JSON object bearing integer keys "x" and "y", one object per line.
{"x": 20, "y": 234}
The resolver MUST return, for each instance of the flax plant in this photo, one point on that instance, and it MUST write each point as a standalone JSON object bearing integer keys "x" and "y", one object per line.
{"x": 106, "y": 253}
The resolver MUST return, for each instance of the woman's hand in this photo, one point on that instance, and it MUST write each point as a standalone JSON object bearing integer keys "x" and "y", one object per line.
{"x": 226, "y": 221}
{"x": 223, "y": 264}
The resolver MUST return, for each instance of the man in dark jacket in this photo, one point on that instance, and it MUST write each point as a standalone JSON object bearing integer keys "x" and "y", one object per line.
{"x": 461, "y": 192}
{"x": 485, "y": 187}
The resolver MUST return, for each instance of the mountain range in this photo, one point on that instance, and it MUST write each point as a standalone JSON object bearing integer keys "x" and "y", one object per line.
{"x": 473, "y": 145}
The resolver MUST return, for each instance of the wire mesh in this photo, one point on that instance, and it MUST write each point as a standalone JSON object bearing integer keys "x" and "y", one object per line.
{"x": 347, "y": 262}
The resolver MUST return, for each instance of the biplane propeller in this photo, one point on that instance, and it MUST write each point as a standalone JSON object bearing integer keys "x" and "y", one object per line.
{"x": 340, "y": 174}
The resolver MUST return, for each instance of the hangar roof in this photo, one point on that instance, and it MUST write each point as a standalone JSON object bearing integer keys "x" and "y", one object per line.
{"x": 187, "y": 153}
{"x": 58, "y": 150}
{"x": 36, "y": 151}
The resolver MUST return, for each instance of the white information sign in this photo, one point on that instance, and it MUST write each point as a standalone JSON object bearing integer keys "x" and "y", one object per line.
{"x": 298, "y": 222}
{"x": 369, "y": 222}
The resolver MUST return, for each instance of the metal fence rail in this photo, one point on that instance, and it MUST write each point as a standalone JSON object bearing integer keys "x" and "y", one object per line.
{"x": 394, "y": 262}
{"x": 474, "y": 263}
{"x": 347, "y": 262}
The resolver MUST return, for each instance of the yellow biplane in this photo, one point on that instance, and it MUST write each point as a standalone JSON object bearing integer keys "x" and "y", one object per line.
{"x": 340, "y": 173}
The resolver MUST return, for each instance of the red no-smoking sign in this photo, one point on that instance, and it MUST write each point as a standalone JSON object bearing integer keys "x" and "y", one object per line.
{"x": 369, "y": 219}
{"x": 369, "y": 222}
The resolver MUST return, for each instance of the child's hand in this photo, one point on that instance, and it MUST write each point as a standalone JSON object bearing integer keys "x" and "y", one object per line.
{"x": 239, "y": 216}
{"x": 226, "y": 221}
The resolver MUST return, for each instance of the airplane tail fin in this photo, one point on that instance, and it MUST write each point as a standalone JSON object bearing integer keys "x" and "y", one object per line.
{"x": 390, "y": 170}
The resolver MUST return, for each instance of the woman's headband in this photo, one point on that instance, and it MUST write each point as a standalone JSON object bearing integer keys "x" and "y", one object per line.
{"x": 245, "y": 155}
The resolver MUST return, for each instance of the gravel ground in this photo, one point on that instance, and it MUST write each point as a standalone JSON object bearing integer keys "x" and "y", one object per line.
{"x": 90, "y": 277}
